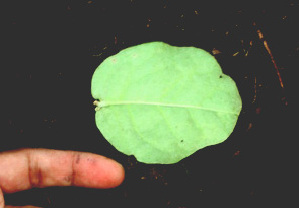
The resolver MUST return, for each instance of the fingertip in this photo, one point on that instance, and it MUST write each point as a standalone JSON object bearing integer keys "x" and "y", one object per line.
{"x": 117, "y": 174}
{"x": 113, "y": 175}
{"x": 96, "y": 171}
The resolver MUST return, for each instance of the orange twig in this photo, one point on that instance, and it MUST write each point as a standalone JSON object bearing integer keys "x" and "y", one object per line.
{"x": 261, "y": 37}
{"x": 254, "y": 97}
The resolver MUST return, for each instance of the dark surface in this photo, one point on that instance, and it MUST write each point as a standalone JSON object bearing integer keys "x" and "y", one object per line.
{"x": 53, "y": 49}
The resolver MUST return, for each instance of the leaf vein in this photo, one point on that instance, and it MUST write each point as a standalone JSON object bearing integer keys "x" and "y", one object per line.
{"x": 138, "y": 133}
{"x": 102, "y": 104}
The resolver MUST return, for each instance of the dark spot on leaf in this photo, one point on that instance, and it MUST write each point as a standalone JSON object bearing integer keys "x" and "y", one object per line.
{"x": 220, "y": 76}
{"x": 182, "y": 140}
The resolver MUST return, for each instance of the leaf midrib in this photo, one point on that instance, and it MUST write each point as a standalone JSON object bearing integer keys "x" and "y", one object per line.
{"x": 102, "y": 104}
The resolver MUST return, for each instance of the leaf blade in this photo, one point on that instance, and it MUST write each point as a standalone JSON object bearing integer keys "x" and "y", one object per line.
{"x": 176, "y": 99}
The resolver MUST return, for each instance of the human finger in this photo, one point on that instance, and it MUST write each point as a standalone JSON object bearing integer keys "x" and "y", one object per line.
{"x": 27, "y": 168}
{"x": 29, "y": 206}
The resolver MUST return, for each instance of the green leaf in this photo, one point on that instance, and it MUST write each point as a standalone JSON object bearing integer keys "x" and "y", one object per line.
{"x": 162, "y": 103}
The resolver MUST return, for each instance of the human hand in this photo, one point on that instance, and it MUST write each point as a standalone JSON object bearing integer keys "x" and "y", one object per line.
{"x": 27, "y": 168}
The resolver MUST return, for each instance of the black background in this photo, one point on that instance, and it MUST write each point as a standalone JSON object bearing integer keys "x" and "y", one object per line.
{"x": 52, "y": 49}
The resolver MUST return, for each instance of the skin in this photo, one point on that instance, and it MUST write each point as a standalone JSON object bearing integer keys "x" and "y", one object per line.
{"x": 27, "y": 168}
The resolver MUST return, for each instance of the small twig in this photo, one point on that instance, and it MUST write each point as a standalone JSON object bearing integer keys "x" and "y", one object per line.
{"x": 254, "y": 97}
{"x": 261, "y": 37}
{"x": 97, "y": 54}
